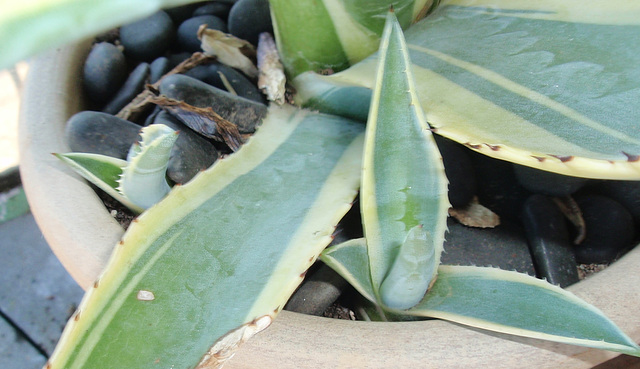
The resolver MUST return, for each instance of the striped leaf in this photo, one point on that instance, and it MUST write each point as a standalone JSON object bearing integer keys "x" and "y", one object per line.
{"x": 403, "y": 180}
{"x": 103, "y": 171}
{"x": 333, "y": 34}
{"x": 515, "y": 303}
{"x": 550, "y": 84}
{"x": 28, "y": 27}
{"x": 216, "y": 260}
{"x": 140, "y": 181}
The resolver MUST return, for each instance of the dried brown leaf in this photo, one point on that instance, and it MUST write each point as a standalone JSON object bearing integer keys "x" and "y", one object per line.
{"x": 272, "y": 79}
{"x": 569, "y": 207}
{"x": 140, "y": 102}
{"x": 229, "y": 50}
{"x": 202, "y": 120}
{"x": 476, "y": 215}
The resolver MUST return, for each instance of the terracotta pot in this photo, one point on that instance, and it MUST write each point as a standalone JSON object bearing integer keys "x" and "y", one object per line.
{"x": 82, "y": 233}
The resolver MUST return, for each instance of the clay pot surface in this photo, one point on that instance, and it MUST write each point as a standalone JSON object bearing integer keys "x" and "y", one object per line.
{"x": 82, "y": 233}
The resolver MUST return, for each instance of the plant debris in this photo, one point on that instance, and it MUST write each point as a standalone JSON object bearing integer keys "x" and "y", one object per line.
{"x": 569, "y": 207}
{"x": 475, "y": 215}
{"x": 140, "y": 102}
{"x": 229, "y": 50}
{"x": 202, "y": 120}
{"x": 272, "y": 79}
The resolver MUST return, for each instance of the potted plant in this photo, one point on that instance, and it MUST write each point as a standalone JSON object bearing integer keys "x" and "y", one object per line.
{"x": 397, "y": 338}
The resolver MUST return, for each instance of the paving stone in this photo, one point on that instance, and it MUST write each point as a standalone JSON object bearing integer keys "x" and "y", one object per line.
{"x": 15, "y": 350}
{"x": 36, "y": 292}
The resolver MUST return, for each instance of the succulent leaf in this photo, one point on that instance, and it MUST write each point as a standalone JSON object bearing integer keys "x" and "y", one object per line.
{"x": 216, "y": 260}
{"x": 548, "y": 84}
{"x": 412, "y": 271}
{"x": 515, "y": 303}
{"x": 403, "y": 181}
{"x": 103, "y": 171}
{"x": 143, "y": 179}
{"x": 330, "y": 35}
{"x": 28, "y": 27}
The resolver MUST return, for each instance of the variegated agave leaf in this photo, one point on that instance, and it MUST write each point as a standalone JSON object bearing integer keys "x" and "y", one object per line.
{"x": 140, "y": 181}
{"x": 395, "y": 279}
{"x": 216, "y": 260}
{"x": 550, "y": 84}
{"x": 403, "y": 193}
{"x": 144, "y": 180}
{"x": 28, "y": 27}
{"x": 330, "y": 35}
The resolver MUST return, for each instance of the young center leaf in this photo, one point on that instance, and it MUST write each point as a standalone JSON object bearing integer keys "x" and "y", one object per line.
{"x": 403, "y": 192}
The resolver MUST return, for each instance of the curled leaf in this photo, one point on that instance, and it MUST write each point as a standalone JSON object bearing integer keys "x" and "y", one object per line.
{"x": 229, "y": 50}
{"x": 413, "y": 271}
{"x": 143, "y": 179}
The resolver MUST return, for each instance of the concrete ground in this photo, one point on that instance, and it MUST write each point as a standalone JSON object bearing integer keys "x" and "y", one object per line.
{"x": 37, "y": 295}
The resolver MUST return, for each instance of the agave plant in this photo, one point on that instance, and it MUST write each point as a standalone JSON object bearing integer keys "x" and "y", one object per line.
{"x": 484, "y": 75}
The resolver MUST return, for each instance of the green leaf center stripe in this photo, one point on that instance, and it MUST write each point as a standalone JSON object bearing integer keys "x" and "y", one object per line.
{"x": 615, "y": 12}
{"x": 104, "y": 317}
{"x": 237, "y": 232}
{"x": 403, "y": 180}
{"x": 528, "y": 96}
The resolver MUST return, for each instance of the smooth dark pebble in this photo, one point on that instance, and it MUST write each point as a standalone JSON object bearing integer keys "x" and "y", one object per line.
{"x": 220, "y": 10}
{"x": 546, "y": 230}
{"x": 497, "y": 187}
{"x": 320, "y": 289}
{"x": 191, "y": 154}
{"x": 105, "y": 69}
{"x": 459, "y": 171}
{"x": 547, "y": 183}
{"x": 248, "y": 18}
{"x": 627, "y": 193}
{"x": 100, "y": 133}
{"x": 244, "y": 113}
{"x": 241, "y": 85}
{"x": 158, "y": 68}
{"x": 183, "y": 12}
{"x": 610, "y": 230}
{"x": 188, "y": 31}
{"x": 131, "y": 88}
{"x": 148, "y": 38}
{"x": 503, "y": 247}
{"x": 175, "y": 59}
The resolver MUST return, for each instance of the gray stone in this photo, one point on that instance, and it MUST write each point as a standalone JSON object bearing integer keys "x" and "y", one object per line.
{"x": 158, "y": 68}
{"x": 101, "y": 133}
{"x": 131, "y": 88}
{"x": 548, "y": 237}
{"x": 610, "y": 230}
{"x": 105, "y": 69}
{"x": 244, "y": 113}
{"x": 319, "y": 290}
{"x": 191, "y": 154}
{"x": 242, "y": 86}
{"x": 220, "y": 10}
{"x": 148, "y": 38}
{"x": 502, "y": 247}
{"x": 188, "y": 31}
{"x": 248, "y": 18}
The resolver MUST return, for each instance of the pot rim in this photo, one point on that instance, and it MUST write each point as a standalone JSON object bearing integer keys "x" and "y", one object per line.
{"x": 82, "y": 237}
